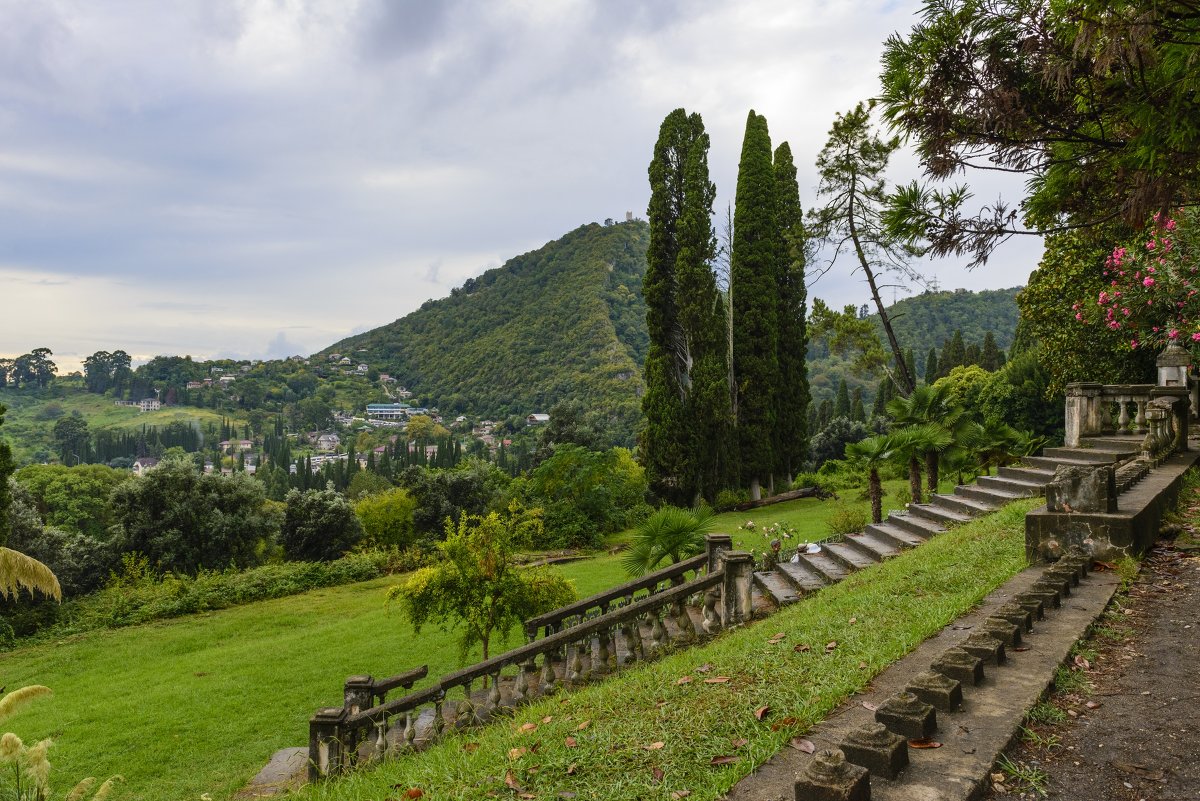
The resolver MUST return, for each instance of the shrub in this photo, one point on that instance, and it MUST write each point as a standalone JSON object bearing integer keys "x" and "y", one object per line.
{"x": 728, "y": 499}
{"x": 846, "y": 520}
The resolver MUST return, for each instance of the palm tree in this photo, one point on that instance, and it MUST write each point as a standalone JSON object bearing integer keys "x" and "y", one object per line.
{"x": 872, "y": 453}
{"x": 670, "y": 533}
{"x": 909, "y": 444}
{"x": 932, "y": 405}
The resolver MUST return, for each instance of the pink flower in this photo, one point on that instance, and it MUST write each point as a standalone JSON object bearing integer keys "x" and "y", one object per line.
{"x": 1170, "y": 225}
{"x": 1114, "y": 325}
{"x": 1078, "y": 316}
{"x": 1125, "y": 312}
{"x": 1150, "y": 245}
{"x": 1196, "y": 336}
{"x": 1147, "y": 282}
{"x": 1173, "y": 334}
{"x": 1133, "y": 343}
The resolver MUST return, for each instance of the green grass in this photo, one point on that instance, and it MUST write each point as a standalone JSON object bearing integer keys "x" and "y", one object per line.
{"x": 875, "y": 617}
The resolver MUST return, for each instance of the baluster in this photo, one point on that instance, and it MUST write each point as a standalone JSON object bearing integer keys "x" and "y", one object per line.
{"x": 381, "y": 742}
{"x": 410, "y": 731}
{"x": 1123, "y": 417}
{"x": 687, "y": 630}
{"x": 548, "y": 684}
{"x": 712, "y": 622}
{"x": 1141, "y": 415}
{"x": 600, "y": 664}
{"x": 495, "y": 699}
{"x": 628, "y": 631}
{"x": 520, "y": 688}
{"x": 464, "y": 712}
{"x": 658, "y": 634}
{"x": 575, "y": 671}
{"x": 438, "y": 724}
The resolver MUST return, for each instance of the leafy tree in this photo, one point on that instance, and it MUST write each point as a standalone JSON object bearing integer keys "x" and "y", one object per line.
{"x": 1019, "y": 395}
{"x": 586, "y": 493}
{"x": 318, "y": 526}
{"x": 954, "y": 354}
{"x": 74, "y": 499}
{"x": 792, "y": 395}
{"x": 1094, "y": 101}
{"x": 933, "y": 407}
{"x": 443, "y": 495}
{"x": 831, "y": 441}
{"x": 366, "y": 483}
{"x": 858, "y": 412}
{"x": 669, "y": 533}
{"x": 184, "y": 521}
{"x": 387, "y": 518}
{"x": 72, "y": 439}
{"x": 80, "y": 562}
{"x": 931, "y": 366}
{"x": 911, "y": 443}
{"x": 852, "y": 166}
{"x": 478, "y": 586}
{"x": 755, "y": 267}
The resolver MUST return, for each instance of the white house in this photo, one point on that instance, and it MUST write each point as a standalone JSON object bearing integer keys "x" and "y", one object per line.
{"x": 149, "y": 404}
{"x": 144, "y": 463}
{"x": 328, "y": 442}
{"x": 537, "y": 419}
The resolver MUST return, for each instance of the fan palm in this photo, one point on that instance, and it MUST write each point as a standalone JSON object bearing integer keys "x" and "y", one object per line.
{"x": 873, "y": 453}
{"x": 670, "y": 533}
{"x": 932, "y": 404}
{"x": 909, "y": 444}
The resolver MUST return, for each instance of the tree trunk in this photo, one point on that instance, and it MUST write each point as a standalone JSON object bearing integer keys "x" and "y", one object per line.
{"x": 914, "y": 478}
{"x": 755, "y": 489}
{"x": 875, "y": 487}
{"x": 931, "y": 471}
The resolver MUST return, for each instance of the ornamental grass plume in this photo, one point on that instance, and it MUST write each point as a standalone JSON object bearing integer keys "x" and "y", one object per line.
{"x": 18, "y": 699}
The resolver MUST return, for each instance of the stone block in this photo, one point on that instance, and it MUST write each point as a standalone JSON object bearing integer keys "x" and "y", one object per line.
{"x": 1003, "y": 630}
{"x": 1056, "y": 584}
{"x": 1066, "y": 572}
{"x": 878, "y": 750}
{"x": 1032, "y": 604}
{"x": 1082, "y": 488}
{"x": 986, "y": 647}
{"x": 908, "y": 716}
{"x": 956, "y": 663}
{"x": 939, "y": 691}
{"x": 1016, "y": 614}
{"x": 1049, "y": 595}
{"x": 829, "y": 777}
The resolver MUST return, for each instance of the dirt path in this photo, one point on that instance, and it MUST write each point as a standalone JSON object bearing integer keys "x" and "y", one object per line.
{"x": 1124, "y": 722}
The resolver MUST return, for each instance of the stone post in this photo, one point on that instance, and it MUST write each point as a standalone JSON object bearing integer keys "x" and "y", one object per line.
{"x": 326, "y": 748}
{"x": 716, "y": 545}
{"x": 1173, "y": 364}
{"x": 1083, "y": 412}
{"x": 359, "y": 693}
{"x": 829, "y": 777}
{"x": 1180, "y": 410}
{"x": 736, "y": 605}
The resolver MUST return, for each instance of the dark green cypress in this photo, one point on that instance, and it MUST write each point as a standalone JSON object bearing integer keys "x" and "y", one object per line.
{"x": 841, "y": 404}
{"x": 990, "y": 357}
{"x": 954, "y": 354}
{"x": 792, "y": 395}
{"x": 931, "y": 366}
{"x": 754, "y": 269}
{"x": 858, "y": 412}
{"x": 973, "y": 355}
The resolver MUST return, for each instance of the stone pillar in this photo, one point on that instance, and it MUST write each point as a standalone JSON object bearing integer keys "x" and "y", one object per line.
{"x": 735, "y": 591}
{"x": 1173, "y": 364}
{"x": 359, "y": 693}
{"x": 326, "y": 750}
{"x": 716, "y": 545}
{"x": 829, "y": 777}
{"x": 1181, "y": 410}
{"x": 1083, "y": 412}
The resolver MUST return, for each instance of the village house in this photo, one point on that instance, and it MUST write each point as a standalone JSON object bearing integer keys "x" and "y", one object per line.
{"x": 149, "y": 404}
{"x": 328, "y": 442}
{"x": 144, "y": 463}
{"x": 537, "y": 419}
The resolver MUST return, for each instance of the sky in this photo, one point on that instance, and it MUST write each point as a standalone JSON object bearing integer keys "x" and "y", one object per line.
{"x": 260, "y": 178}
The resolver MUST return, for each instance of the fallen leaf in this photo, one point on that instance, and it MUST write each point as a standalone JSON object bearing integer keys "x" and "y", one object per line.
{"x": 803, "y": 744}
{"x": 1153, "y": 774}
{"x": 511, "y": 781}
{"x": 1099, "y": 566}
{"x": 583, "y": 725}
{"x": 684, "y": 680}
{"x": 829, "y": 646}
{"x": 517, "y": 753}
{"x": 1092, "y": 704}
{"x": 761, "y": 712}
{"x": 527, "y": 727}
{"x": 414, "y": 792}
{"x": 801, "y": 648}
{"x": 547, "y": 719}
{"x": 571, "y": 769}
{"x": 853, "y": 620}
{"x": 870, "y": 706}
{"x": 567, "y": 794}
{"x": 571, "y": 742}
{"x": 738, "y": 742}
{"x": 704, "y": 668}
{"x": 658, "y": 775}
{"x": 924, "y": 743}
{"x": 470, "y": 748}
{"x": 862, "y": 666}
{"x": 654, "y": 746}
{"x": 717, "y": 680}
{"x": 722, "y": 760}
{"x": 526, "y": 795}
{"x": 680, "y": 794}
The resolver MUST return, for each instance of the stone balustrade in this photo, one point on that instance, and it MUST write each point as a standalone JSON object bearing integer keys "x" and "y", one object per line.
{"x": 1096, "y": 410}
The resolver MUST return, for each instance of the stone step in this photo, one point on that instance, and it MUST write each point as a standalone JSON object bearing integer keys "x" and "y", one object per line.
{"x": 760, "y": 602}
{"x": 1015, "y": 487}
{"x": 941, "y": 515}
{"x": 873, "y": 547}
{"x": 800, "y": 576}
{"x": 962, "y": 505}
{"x": 1089, "y": 455}
{"x": 824, "y": 566}
{"x": 847, "y": 556}
{"x": 776, "y": 587}
{"x": 899, "y": 538}
{"x": 1030, "y": 474}
{"x": 990, "y": 495}
{"x": 1046, "y": 463}
{"x": 920, "y": 528}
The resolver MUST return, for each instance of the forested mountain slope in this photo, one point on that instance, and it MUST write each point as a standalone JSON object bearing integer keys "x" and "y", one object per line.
{"x": 564, "y": 321}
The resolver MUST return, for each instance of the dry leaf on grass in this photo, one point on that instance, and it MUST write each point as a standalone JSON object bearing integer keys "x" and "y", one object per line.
{"x": 738, "y": 742}
{"x": 583, "y": 725}
{"x": 654, "y": 746}
{"x": 761, "y": 712}
{"x": 1092, "y": 704}
{"x": 829, "y": 646}
{"x": 511, "y": 780}
{"x": 678, "y": 794}
{"x": 717, "y": 680}
{"x": 414, "y": 792}
{"x": 571, "y": 769}
{"x": 724, "y": 759}
{"x": 801, "y": 648}
{"x": 517, "y": 753}
{"x": 527, "y": 727}
{"x": 571, "y": 742}
{"x": 658, "y": 775}
{"x": 547, "y": 719}
{"x": 684, "y": 680}
{"x": 704, "y": 668}
{"x": 470, "y": 748}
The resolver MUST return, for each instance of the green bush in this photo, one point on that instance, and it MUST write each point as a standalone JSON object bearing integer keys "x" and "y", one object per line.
{"x": 728, "y": 499}
{"x": 846, "y": 520}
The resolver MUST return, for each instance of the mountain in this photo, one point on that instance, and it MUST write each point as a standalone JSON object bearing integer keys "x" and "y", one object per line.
{"x": 564, "y": 321}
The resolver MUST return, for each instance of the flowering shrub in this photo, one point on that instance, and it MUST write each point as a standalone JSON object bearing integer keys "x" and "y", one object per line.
{"x": 1152, "y": 291}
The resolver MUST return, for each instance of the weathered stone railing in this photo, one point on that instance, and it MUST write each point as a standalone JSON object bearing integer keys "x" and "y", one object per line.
{"x": 638, "y": 629}
{"x": 1094, "y": 410}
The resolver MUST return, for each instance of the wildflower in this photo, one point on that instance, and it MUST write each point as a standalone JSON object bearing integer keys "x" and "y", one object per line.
{"x": 1133, "y": 343}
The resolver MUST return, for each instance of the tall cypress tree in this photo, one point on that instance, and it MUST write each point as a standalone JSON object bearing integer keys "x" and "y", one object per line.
{"x": 685, "y": 436}
{"x": 792, "y": 395}
{"x": 954, "y": 354}
{"x": 754, "y": 269}
{"x": 931, "y": 366}
{"x": 841, "y": 403}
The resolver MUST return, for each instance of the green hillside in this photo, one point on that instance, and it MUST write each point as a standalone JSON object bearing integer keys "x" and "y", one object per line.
{"x": 564, "y": 321}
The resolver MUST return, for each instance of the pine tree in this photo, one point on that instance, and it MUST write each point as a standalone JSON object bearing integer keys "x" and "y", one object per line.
{"x": 755, "y": 267}
{"x": 973, "y": 355}
{"x": 841, "y": 405}
{"x": 792, "y": 396}
{"x": 990, "y": 357}
{"x": 931, "y": 366}
{"x": 858, "y": 412}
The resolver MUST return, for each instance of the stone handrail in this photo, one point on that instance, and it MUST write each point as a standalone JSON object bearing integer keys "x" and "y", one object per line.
{"x": 639, "y": 630}
{"x": 1094, "y": 410}
{"x": 610, "y": 599}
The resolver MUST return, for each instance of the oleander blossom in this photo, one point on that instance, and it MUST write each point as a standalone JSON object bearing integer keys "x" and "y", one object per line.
{"x": 1152, "y": 285}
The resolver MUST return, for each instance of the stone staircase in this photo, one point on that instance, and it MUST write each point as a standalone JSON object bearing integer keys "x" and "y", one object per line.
{"x": 801, "y": 573}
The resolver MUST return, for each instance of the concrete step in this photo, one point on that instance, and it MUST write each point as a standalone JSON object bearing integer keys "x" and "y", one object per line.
{"x": 847, "y": 556}
{"x": 1091, "y": 455}
{"x": 824, "y": 566}
{"x": 962, "y": 505}
{"x": 916, "y": 526}
{"x": 941, "y": 515}
{"x": 1046, "y": 463}
{"x": 990, "y": 495}
{"x": 800, "y": 576}
{"x": 1030, "y": 474}
{"x": 889, "y": 532}
{"x": 1015, "y": 487}
{"x": 775, "y": 587}
{"x": 872, "y": 546}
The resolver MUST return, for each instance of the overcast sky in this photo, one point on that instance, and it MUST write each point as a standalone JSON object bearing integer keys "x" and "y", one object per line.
{"x": 261, "y": 178}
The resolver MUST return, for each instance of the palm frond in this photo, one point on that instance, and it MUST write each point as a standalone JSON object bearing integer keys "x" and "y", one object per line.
{"x": 18, "y": 572}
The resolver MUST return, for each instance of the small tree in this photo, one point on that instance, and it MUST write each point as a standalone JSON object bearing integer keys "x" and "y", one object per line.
{"x": 477, "y": 586}
{"x": 387, "y": 517}
{"x": 670, "y": 533}
{"x": 319, "y": 525}
{"x": 873, "y": 453}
